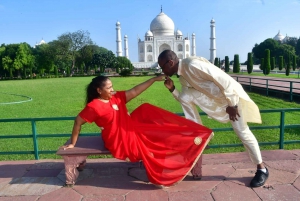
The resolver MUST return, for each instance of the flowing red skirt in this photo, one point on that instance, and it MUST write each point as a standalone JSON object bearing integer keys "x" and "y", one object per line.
{"x": 169, "y": 145}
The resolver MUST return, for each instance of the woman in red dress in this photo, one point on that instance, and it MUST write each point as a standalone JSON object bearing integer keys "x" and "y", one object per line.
{"x": 168, "y": 145}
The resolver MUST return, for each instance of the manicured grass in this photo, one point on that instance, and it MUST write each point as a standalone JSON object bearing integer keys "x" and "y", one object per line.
{"x": 60, "y": 97}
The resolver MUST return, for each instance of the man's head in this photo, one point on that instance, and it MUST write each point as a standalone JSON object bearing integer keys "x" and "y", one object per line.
{"x": 168, "y": 61}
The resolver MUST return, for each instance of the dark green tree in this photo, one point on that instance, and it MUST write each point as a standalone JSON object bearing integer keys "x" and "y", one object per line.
{"x": 267, "y": 63}
{"x": 216, "y": 62}
{"x": 68, "y": 72}
{"x": 236, "y": 64}
{"x": 261, "y": 66}
{"x": 226, "y": 64}
{"x": 259, "y": 50}
{"x": 249, "y": 63}
{"x": 75, "y": 41}
{"x": 104, "y": 60}
{"x": 272, "y": 63}
{"x": 219, "y": 63}
{"x": 298, "y": 48}
{"x": 280, "y": 62}
{"x": 288, "y": 66}
{"x": 55, "y": 71}
{"x": 45, "y": 58}
{"x": 294, "y": 62}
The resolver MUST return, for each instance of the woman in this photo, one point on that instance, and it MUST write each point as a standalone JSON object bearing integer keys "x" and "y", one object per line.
{"x": 168, "y": 145}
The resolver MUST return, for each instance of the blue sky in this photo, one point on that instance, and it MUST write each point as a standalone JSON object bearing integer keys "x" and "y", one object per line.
{"x": 239, "y": 23}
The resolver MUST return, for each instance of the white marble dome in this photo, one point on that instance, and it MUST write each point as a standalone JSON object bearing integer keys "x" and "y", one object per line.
{"x": 279, "y": 37}
{"x": 148, "y": 33}
{"x": 178, "y": 33}
{"x": 162, "y": 25}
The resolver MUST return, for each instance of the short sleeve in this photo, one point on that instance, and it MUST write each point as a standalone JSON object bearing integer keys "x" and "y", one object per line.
{"x": 121, "y": 96}
{"x": 88, "y": 114}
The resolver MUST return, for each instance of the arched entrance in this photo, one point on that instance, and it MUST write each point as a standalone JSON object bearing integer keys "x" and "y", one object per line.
{"x": 164, "y": 47}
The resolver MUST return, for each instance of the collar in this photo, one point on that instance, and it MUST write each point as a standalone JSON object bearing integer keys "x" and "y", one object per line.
{"x": 179, "y": 67}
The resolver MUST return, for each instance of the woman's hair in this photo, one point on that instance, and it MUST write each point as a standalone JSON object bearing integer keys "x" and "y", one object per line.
{"x": 91, "y": 89}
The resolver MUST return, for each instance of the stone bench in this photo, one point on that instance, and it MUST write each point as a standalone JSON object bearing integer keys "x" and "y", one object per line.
{"x": 75, "y": 158}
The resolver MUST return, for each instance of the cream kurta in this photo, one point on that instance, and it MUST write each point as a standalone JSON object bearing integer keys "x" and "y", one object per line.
{"x": 218, "y": 90}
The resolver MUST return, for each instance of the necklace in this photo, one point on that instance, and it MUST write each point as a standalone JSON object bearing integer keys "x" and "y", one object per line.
{"x": 103, "y": 100}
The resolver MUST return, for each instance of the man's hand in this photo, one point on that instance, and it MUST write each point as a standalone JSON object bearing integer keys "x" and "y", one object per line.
{"x": 169, "y": 84}
{"x": 233, "y": 113}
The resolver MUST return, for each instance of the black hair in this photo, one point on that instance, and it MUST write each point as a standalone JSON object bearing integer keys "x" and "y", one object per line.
{"x": 166, "y": 55}
{"x": 91, "y": 89}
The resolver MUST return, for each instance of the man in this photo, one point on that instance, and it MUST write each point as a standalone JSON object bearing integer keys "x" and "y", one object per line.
{"x": 219, "y": 96}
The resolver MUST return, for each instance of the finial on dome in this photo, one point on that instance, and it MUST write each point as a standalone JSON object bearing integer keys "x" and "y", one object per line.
{"x": 161, "y": 8}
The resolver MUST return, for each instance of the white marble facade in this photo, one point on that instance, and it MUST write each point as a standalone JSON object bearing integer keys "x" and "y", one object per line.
{"x": 162, "y": 36}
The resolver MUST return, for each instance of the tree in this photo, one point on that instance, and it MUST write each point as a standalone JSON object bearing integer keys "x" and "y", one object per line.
{"x": 216, "y": 62}
{"x": 123, "y": 62}
{"x": 226, "y": 64}
{"x": 236, "y": 64}
{"x": 55, "y": 71}
{"x": 24, "y": 58}
{"x": 75, "y": 41}
{"x": 292, "y": 41}
{"x": 294, "y": 63}
{"x": 271, "y": 44}
{"x": 285, "y": 51}
{"x": 219, "y": 63}
{"x": 7, "y": 63}
{"x": 298, "y": 47}
{"x": 61, "y": 53}
{"x": 249, "y": 63}
{"x": 267, "y": 63}
{"x": 288, "y": 66}
{"x": 272, "y": 63}
{"x": 45, "y": 58}
{"x": 104, "y": 60}
{"x": 280, "y": 63}
{"x": 261, "y": 66}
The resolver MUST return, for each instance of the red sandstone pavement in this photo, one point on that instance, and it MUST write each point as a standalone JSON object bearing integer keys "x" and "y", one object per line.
{"x": 225, "y": 177}
{"x": 280, "y": 84}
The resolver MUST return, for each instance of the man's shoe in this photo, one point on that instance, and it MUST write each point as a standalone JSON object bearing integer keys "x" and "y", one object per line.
{"x": 259, "y": 179}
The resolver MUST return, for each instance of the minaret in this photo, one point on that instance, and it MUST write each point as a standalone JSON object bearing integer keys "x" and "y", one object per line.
{"x": 126, "y": 47}
{"x": 193, "y": 44}
{"x": 213, "y": 49}
{"x": 119, "y": 41}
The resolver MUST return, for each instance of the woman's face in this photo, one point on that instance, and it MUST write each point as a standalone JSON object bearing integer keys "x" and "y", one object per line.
{"x": 106, "y": 91}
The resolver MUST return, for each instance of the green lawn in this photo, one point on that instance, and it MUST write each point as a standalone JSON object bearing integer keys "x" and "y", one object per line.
{"x": 60, "y": 97}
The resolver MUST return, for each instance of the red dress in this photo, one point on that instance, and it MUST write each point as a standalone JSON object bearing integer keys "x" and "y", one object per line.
{"x": 168, "y": 145}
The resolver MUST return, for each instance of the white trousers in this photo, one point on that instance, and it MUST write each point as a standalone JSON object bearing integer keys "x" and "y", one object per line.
{"x": 189, "y": 102}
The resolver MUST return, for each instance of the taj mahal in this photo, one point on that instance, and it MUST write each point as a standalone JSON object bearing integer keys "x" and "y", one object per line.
{"x": 162, "y": 36}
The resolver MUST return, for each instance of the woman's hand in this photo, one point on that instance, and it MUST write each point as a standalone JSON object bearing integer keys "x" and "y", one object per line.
{"x": 160, "y": 78}
{"x": 70, "y": 146}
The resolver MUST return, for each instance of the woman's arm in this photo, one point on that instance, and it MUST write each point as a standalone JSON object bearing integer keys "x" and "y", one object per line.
{"x": 75, "y": 132}
{"x": 137, "y": 90}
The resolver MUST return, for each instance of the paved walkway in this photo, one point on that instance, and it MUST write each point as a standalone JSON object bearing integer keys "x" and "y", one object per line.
{"x": 225, "y": 177}
{"x": 279, "y": 84}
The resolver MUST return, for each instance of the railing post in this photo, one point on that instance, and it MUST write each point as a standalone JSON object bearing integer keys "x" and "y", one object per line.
{"x": 291, "y": 91}
{"x": 35, "y": 143}
{"x": 281, "y": 137}
{"x": 237, "y": 79}
{"x": 267, "y": 85}
{"x": 250, "y": 85}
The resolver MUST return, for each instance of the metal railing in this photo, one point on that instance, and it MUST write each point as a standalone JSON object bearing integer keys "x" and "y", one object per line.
{"x": 35, "y": 136}
{"x": 292, "y": 88}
